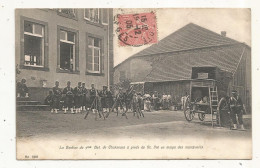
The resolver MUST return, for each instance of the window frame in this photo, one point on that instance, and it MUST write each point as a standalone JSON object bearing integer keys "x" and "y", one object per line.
{"x": 75, "y": 17}
{"x": 101, "y": 56}
{"x": 76, "y": 48}
{"x": 100, "y": 23}
{"x": 45, "y": 44}
{"x": 93, "y": 21}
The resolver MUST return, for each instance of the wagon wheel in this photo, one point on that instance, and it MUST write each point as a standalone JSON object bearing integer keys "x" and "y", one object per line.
{"x": 188, "y": 111}
{"x": 201, "y": 116}
{"x": 222, "y": 106}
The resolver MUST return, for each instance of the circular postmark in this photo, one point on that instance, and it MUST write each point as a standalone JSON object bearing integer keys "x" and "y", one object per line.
{"x": 136, "y": 29}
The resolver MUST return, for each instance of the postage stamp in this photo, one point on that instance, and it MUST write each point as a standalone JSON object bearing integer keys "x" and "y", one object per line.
{"x": 137, "y": 29}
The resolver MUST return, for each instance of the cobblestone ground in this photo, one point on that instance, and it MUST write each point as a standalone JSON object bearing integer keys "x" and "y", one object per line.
{"x": 161, "y": 124}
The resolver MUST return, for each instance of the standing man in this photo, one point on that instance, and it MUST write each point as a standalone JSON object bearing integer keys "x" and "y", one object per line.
{"x": 92, "y": 93}
{"x": 56, "y": 96}
{"x": 84, "y": 98}
{"x": 103, "y": 94}
{"x": 236, "y": 110}
{"x": 156, "y": 101}
{"x": 78, "y": 97}
{"x": 68, "y": 91}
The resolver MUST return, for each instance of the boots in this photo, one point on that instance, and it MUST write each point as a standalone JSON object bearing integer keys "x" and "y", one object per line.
{"x": 242, "y": 128}
{"x": 234, "y": 127}
{"x": 26, "y": 95}
{"x": 18, "y": 95}
{"x": 52, "y": 111}
{"x": 65, "y": 110}
{"x": 84, "y": 108}
{"x": 56, "y": 111}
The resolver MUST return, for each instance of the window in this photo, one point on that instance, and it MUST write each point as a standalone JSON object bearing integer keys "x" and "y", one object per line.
{"x": 68, "y": 12}
{"x": 33, "y": 44}
{"x": 67, "y": 50}
{"x": 94, "y": 55}
{"x": 92, "y": 15}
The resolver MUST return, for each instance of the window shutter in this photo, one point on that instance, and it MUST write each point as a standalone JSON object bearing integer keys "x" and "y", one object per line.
{"x": 89, "y": 58}
{"x": 105, "y": 16}
{"x": 87, "y": 14}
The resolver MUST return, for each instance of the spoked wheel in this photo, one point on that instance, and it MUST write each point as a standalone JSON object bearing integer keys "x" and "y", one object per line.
{"x": 222, "y": 112}
{"x": 189, "y": 114}
{"x": 201, "y": 116}
{"x": 188, "y": 111}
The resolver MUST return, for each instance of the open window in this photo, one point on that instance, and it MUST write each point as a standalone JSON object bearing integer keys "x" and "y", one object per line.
{"x": 68, "y": 60}
{"x": 92, "y": 15}
{"x": 33, "y": 44}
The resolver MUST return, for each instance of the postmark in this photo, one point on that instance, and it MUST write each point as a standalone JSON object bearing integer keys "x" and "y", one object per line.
{"x": 136, "y": 29}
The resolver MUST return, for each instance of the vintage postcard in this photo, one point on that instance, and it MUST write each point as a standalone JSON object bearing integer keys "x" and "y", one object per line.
{"x": 125, "y": 83}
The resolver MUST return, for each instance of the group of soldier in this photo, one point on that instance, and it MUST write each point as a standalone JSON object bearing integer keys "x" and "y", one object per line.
{"x": 76, "y": 100}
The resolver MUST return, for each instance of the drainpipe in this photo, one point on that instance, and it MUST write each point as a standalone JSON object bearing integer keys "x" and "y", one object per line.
{"x": 108, "y": 59}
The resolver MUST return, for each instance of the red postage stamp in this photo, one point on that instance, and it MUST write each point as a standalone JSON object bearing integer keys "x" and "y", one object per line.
{"x": 137, "y": 29}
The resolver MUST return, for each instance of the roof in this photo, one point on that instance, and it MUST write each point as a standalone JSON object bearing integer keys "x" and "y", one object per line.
{"x": 179, "y": 66}
{"x": 188, "y": 37}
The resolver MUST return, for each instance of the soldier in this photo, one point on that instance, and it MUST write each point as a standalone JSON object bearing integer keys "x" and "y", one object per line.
{"x": 236, "y": 110}
{"x": 164, "y": 101}
{"x": 78, "y": 97}
{"x": 84, "y": 98}
{"x": 119, "y": 100}
{"x": 110, "y": 100}
{"x": 156, "y": 101}
{"x": 22, "y": 90}
{"x": 56, "y": 96}
{"x": 49, "y": 100}
{"x": 103, "y": 94}
{"x": 93, "y": 95}
{"x": 128, "y": 98}
{"x": 68, "y": 91}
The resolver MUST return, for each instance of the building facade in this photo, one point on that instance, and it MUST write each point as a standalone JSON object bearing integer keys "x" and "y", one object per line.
{"x": 63, "y": 45}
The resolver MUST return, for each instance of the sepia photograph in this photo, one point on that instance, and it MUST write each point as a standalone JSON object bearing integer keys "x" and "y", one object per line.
{"x": 133, "y": 83}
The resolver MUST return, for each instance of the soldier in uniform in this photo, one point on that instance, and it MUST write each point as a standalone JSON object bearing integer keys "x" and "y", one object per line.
{"x": 49, "y": 100}
{"x": 236, "y": 110}
{"x": 103, "y": 95}
{"x": 56, "y": 96}
{"x": 92, "y": 93}
{"x": 78, "y": 97}
{"x": 22, "y": 90}
{"x": 119, "y": 100}
{"x": 68, "y": 91}
{"x": 84, "y": 98}
{"x": 110, "y": 100}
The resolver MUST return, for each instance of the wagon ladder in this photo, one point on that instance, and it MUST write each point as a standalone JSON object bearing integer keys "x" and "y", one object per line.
{"x": 213, "y": 99}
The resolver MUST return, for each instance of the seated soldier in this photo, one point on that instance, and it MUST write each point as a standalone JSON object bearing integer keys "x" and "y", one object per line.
{"x": 22, "y": 90}
{"x": 49, "y": 100}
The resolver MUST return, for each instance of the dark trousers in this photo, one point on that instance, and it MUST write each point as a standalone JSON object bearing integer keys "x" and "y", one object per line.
{"x": 78, "y": 101}
{"x": 84, "y": 100}
{"x": 92, "y": 103}
{"x": 56, "y": 102}
{"x": 236, "y": 112}
{"x": 68, "y": 101}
